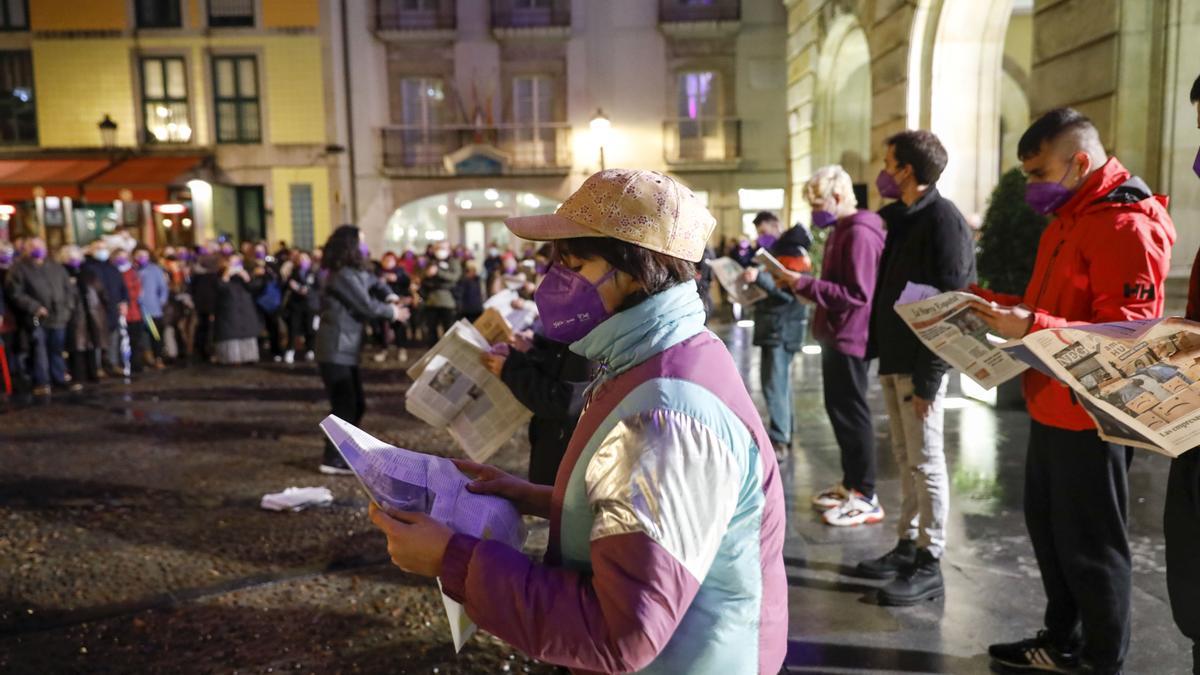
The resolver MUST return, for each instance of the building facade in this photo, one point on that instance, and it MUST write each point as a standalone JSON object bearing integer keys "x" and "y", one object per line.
{"x": 462, "y": 113}
{"x": 183, "y": 120}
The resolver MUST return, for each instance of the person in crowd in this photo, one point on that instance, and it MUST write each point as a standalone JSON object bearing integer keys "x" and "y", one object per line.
{"x": 135, "y": 326}
{"x": 767, "y": 225}
{"x": 179, "y": 315}
{"x": 237, "y": 324}
{"x": 395, "y": 335}
{"x": 508, "y": 276}
{"x": 470, "y": 293}
{"x": 491, "y": 265}
{"x": 351, "y": 298}
{"x": 41, "y": 290}
{"x": 8, "y": 326}
{"x": 302, "y": 303}
{"x": 206, "y": 287}
{"x": 441, "y": 276}
{"x": 268, "y": 298}
{"x": 928, "y": 242}
{"x": 843, "y": 298}
{"x": 1105, "y": 257}
{"x": 667, "y": 517}
{"x": 153, "y": 299}
{"x": 1181, "y": 515}
{"x": 99, "y": 265}
{"x": 742, "y": 251}
{"x": 88, "y": 327}
{"x": 780, "y": 325}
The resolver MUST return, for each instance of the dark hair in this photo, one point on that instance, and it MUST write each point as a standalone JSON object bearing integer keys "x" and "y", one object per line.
{"x": 341, "y": 249}
{"x": 656, "y": 272}
{"x": 763, "y": 216}
{"x": 1049, "y": 127}
{"x": 922, "y": 151}
{"x": 1196, "y": 90}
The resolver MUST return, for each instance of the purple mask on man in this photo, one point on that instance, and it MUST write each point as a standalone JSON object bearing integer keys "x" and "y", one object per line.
{"x": 822, "y": 219}
{"x": 767, "y": 240}
{"x": 887, "y": 185}
{"x": 570, "y": 306}
{"x": 1046, "y": 198}
{"x": 5, "y": 258}
{"x": 37, "y": 253}
{"x": 1196, "y": 164}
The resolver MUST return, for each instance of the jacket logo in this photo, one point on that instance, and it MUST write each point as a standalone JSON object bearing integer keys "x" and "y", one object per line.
{"x": 1139, "y": 291}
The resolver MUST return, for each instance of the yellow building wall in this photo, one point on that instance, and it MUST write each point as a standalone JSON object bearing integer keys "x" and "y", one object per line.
{"x": 76, "y": 83}
{"x": 295, "y": 90}
{"x": 291, "y": 13}
{"x": 281, "y": 178}
{"x": 77, "y": 14}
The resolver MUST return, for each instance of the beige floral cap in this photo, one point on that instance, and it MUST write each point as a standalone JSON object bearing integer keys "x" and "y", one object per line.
{"x": 646, "y": 208}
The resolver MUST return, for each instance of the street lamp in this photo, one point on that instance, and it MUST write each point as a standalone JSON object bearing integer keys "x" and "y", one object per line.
{"x": 600, "y": 126}
{"x": 108, "y": 131}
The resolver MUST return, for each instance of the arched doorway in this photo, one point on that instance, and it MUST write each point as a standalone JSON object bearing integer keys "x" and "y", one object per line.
{"x": 842, "y": 117}
{"x": 473, "y": 218}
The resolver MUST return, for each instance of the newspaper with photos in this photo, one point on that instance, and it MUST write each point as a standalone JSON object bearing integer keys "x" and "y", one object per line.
{"x": 729, "y": 274}
{"x": 493, "y": 327}
{"x": 452, "y": 390}
{"x": 950, "y": 328}
{"x": 769, "y": 262}
{"x": 404, "y": 480}
{"x": 519, "y": 317}
{"x": 1139, "y": 380}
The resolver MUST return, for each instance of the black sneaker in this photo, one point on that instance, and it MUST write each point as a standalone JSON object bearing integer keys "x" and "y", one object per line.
{"x": 921, "y": 582}
{"x": 890, "y": 564}
{"x": 1035, "y": 654}
{"x": 333, "y": 465}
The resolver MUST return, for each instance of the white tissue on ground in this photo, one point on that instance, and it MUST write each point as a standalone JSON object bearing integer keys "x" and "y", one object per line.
{"x": 297, "y": 499}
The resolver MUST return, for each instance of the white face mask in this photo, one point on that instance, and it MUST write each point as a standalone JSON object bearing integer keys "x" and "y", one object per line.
{"x": 441, "y": 254}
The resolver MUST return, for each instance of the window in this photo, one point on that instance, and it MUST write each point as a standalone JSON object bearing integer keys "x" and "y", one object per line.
{"x": 235, "y": 97}
{"x": 533, "y": 111}
{"x": 224, "y": 13}
{"x": 158, "y": 14}
{"x": 13, "y": 15}
{"x": 165, "y": 101}
{"x": 300, "y": 196}
{"x": 252, "y": 226}
{"x": 531, "y": 4}
{"x": 18, "y": 113}
{"x": 421, "y": 101}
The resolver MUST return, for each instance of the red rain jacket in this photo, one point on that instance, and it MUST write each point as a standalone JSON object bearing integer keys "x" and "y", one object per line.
{"x": 1104, "y": 258}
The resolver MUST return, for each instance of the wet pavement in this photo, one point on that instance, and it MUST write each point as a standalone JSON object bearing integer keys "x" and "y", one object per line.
{"x": 131, "y": 540}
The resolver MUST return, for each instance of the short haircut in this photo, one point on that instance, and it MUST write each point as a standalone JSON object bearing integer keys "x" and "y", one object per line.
{"x": 1196, "y": 90}
{"x": 1057, "y": 125}
{"x": 656, "y": 272}
{"x": 828, "y": 181}
{"x": 921, "y": 150}
{"x": 763, "y": 216}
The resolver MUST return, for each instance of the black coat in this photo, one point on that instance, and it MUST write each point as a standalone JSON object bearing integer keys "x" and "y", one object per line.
{"x": 470, "y": 296}
{"x": 89, "y": 325}
{"x": 205, "y": 287}
{"x": 32, "y": 287}
{"x": 780, "y": 318}
{"x": 114, "y": 287}
{"x": 550, "y": 380}
{"x": 351, "y": 298}
{"x": 927, "y": 243}
{"x": 237, "y": 315}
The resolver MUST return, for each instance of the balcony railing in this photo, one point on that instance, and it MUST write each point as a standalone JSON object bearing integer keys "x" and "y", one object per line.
{"x": 679, "y": 11}
{"x": 701, "y": 141}
{"x": 505, "y": 14}
{"x": 391, "y": 15}
{"x": 541, "y": 148}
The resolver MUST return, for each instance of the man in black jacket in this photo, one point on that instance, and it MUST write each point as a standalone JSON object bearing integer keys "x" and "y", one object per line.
{"x": 42, "y": 291}
{"x": 97, "y": 264}
{"x": 928, "y": 242}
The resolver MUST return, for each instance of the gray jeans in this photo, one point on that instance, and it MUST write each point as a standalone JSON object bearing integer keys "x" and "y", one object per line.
{"x": 920, "y": 455}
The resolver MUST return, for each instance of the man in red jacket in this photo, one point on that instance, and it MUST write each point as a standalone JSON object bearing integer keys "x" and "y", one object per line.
{"x": 1103, "y": 258}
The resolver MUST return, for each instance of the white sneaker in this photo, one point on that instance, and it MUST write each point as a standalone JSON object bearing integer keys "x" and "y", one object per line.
{"x": 856, "y": 510}
{"x": 380, "y": 357}
{"x": 277, "y": 359}
{"x": 402, "y": 356}
{"x": 335, "y": 470}
{"x": 289, "y": 356}
{"x": 830, "y": 497}
{"x": 309, "y": 355}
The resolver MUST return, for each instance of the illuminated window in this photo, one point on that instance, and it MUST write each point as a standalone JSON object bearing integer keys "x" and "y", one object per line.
{"x": 165, "y": 100}
{"x": 18, "y": 112}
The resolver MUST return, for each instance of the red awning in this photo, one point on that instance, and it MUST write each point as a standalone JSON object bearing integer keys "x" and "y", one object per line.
{"x": 58, "y": 177}
{"x": 144, "y": 177}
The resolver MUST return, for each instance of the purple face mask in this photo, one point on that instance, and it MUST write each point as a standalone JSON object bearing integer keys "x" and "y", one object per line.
{"x": 74, "y": 263}
{"x": 260, "y": 255}
{"x": 1196, "y": 164}
{"x": 37, "y": 253}
{"x": 767, "y": 240}
{"x": 569, "y": 304}
{"x": 142, "y": 260}
{"x": 364, "y": 249}
{"x": 887, "y": 185}
{"x": 1046, "y": 198}
{"x": 5, "y": 258}
{"x": 822, "y": 219}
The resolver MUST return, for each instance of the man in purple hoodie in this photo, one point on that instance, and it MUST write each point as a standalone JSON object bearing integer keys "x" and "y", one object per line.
{"x": 843, "y": 298}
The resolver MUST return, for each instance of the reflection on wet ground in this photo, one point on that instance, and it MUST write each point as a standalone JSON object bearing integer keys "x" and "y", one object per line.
{"x": 131, "y": 539}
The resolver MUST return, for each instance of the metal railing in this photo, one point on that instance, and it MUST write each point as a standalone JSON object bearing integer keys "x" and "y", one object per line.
{"x": 505, "y": 14}
{"x": 392, "y": 15}
{"x": 677, "y": 11}
{"x": 529, "y": 147}
{"x": 702, "y": 140}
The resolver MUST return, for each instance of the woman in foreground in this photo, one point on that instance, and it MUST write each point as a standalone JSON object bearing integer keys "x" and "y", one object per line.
{"x": 667, "y": 516}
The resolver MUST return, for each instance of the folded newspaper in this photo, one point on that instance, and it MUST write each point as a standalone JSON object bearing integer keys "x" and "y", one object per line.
{"x": 412, "y": 481}
{"x": 519, "y": 317}
{"x": 1139, "y": 380}
{"x": 729, "y": 274}
{"x": 452, "y": 390}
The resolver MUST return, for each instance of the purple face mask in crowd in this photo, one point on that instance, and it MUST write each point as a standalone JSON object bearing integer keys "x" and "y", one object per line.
{"x": 570, "y": 306}
{"x": 364, "y": 249}
{"x": 767, "y": 240}
{"x": 1046, "y": 198}
{"x": 37, "y": 253}
{"x": 74, "y": 263}
{"x": 822, "y": 219}
{"x": 1196, "y": 165}
{"x": 5, "y": 258}
{"x": 887, "y": 185}
{"x": 142, "y": 260}
{"x": 260, "y": 255}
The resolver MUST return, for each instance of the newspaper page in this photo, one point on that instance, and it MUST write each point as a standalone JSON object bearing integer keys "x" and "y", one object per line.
{"x": 947, "y": 325}
{"x": 729, "y": 275}
{"x": 453, "y": 390}
{"x": 764, "y": 258}
{"x": 1139, "y": 380}
{"x": 518, "y": 317}
{"x": 493, "y": 326}
{"x": 416, "y": 482}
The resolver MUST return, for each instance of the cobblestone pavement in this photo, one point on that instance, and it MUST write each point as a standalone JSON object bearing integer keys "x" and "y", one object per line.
{"x": 131, "y": 540}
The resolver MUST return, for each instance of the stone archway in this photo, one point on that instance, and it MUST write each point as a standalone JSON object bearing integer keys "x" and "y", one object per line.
{"x": 842, "y": 110}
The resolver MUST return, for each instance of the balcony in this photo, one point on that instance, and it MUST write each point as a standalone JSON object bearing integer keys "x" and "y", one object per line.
{"x": 514, "y": 16}
{"x": 705, "y": 143}
{"x": 405, "y": 18}
{"x": 504, "y": 149}
{"x": 689, "y": 11}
